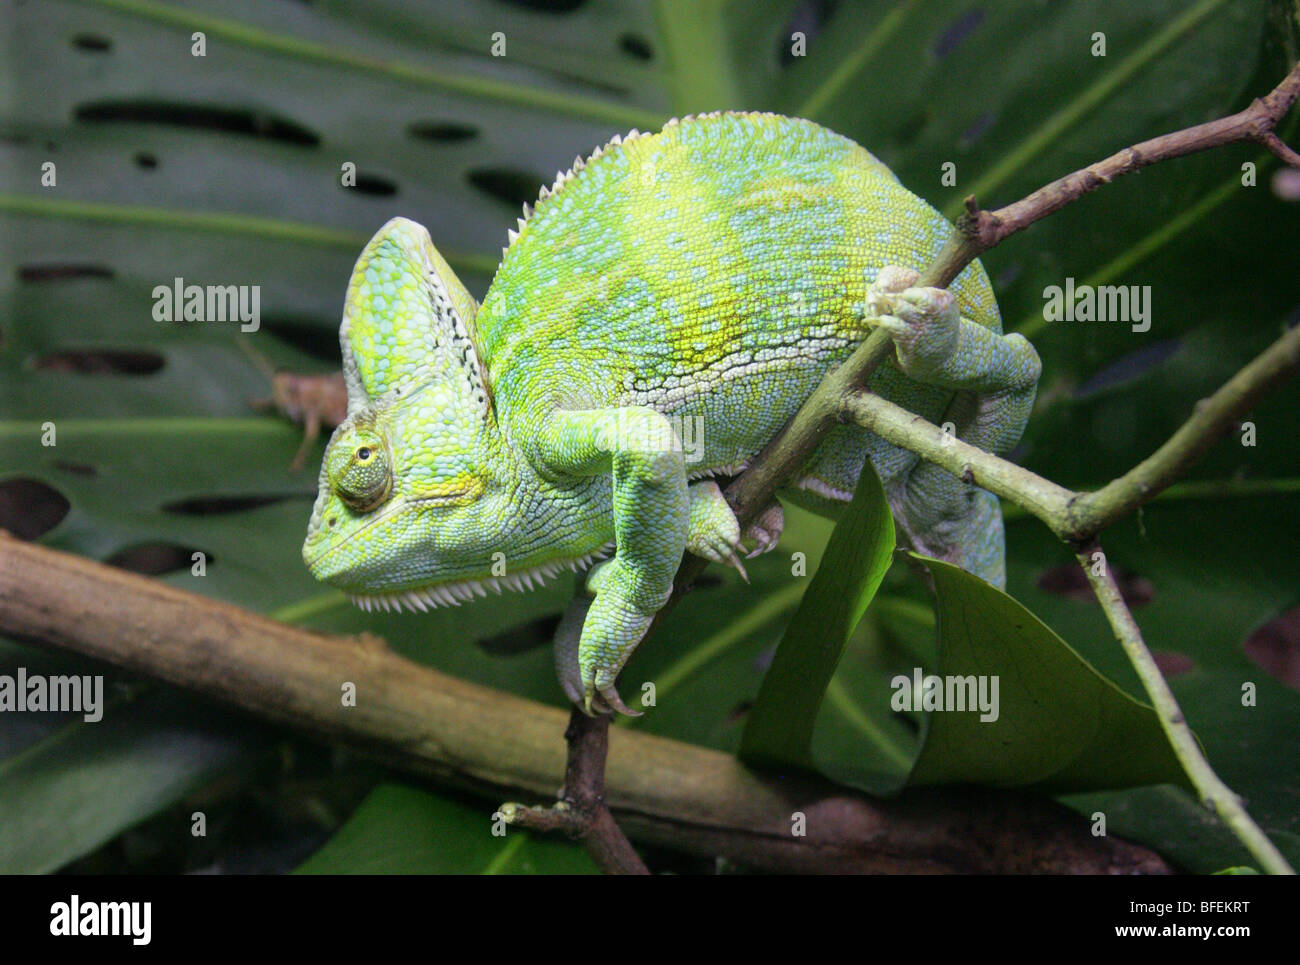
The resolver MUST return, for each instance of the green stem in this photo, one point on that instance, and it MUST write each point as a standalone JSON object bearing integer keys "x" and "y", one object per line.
{"x": 1213, "y": 792}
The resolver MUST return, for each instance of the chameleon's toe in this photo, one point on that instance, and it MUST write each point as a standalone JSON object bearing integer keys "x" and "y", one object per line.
{"x": 614, "y": 625}
{"x": 604, "y": 699}
{"x": 895, "y": 278}
{"x": 733, "y": 559}
{"x": 766, "y": 530}
{"x": 566, "y": 642}
{"x": 714, "y": 533}
{"x": 609, "y": 695}
{"x": 918, "y": 306}
{"x": 885, "y": 305}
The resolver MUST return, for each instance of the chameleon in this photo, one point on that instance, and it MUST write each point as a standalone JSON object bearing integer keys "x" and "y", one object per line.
{"x": 687, "y": 286}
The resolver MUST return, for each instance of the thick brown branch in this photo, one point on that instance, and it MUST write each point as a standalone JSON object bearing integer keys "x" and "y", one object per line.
{"x": 663, "y": 792}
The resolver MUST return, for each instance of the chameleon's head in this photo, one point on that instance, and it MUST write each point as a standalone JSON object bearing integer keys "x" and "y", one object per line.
{"x": 414, "y": 492}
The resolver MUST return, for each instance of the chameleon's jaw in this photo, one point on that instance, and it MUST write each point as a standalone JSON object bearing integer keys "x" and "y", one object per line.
{"x": 454, "y": 592}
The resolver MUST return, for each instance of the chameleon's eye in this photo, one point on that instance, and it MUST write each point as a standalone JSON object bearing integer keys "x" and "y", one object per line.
{"x": 361, "y": 473}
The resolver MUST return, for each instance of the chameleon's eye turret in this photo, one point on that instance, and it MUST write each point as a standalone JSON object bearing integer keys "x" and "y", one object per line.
{"x": 360, "y": 470}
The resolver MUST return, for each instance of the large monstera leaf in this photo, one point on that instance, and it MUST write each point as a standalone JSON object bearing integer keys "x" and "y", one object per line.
{"x": 144, "y": 142}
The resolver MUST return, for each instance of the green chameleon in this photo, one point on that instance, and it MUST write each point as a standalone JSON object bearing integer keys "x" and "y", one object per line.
{"x": 661, "y": 312}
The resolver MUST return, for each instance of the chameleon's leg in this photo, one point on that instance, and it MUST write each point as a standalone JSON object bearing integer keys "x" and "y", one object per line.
{"x": 639, "y": 449}
{"x": 714, "y": 532}
{"x": 995, "y": 377}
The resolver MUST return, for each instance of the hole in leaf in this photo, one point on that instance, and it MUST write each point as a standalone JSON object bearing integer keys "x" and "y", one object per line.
{"x": 1071, "y": 582}
{"x": 373, "y": 184}
{"x": 1275, "y": 647}
{"x": 808, "y": 18}
{"x": 511, "y": 186}
{"x": 217, "y": 505}
{"x": 523, "y": 638}
{"x": 155, "y": 559}
{"x": 64, "y": 272}
{"x": 75, "y": 468}
{"x": 201, "y": 117}
{"x": 1172, "y": 663}
{"x": 146, "y": 160}
{"x": 444, "y": 132}
{"x": 93, "y": 43}
{"x": 102, "y": 361}
{"x": 319, "y": 339}
{"x": 547, "y": 6}
{"x": 636, "y": 46}
{"x": 957, "y": 31}
{"x": 29, "y": 508}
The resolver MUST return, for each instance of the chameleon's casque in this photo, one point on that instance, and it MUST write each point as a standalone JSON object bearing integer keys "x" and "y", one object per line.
{"x": 661, "y": 313}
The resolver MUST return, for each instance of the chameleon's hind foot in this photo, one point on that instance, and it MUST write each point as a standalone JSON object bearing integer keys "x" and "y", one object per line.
{"x": 766, "y": 530}
{"x": 714, "y": 532}
{"x": 924, "y": 322}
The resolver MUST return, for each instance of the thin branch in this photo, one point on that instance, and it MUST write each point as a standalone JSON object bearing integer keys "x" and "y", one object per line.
{"x": 581, "y": 811}
{"x": 1075, "y": 517}
{"x": 664, "y": 792}
{"x": 1213, "y": 792}
{"x": 978, "y": 231}
{"x": 1090, "y": 513}
{"x": 1038, "y": 496}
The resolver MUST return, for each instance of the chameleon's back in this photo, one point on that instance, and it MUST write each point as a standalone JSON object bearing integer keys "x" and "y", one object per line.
{"x": 719, "y": 266}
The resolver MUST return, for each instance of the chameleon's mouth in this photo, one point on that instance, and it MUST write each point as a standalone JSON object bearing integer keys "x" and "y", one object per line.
{"x": 451, "y": 594}
{"x": 320, "y": 546}
{"x": 315, "y": 556}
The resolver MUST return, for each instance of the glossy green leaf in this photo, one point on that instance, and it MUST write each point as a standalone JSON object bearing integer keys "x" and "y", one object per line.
{"x": 780, "y": 727}
{"x": 85, "y": 782}
{"x": 399, "y": 829}
{"x": 1053, "y": 721}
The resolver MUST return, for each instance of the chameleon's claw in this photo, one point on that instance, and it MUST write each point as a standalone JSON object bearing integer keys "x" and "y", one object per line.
{"x": 734, "y": 560}
{"x": 766, "y": 530}
{"x": 613, "y": 700}
{"x": 889, "y": 323}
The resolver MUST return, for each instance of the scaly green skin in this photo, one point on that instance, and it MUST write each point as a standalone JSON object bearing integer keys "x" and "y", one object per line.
{"x": 667, "y": 307}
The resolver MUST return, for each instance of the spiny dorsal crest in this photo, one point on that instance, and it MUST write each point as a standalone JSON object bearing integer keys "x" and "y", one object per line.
{"x": 580, "y": 163}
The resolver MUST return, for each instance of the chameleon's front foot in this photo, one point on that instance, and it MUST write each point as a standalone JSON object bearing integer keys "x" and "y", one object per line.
{"x": 921, "y": 320}
{"x": 613, "y": 625}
